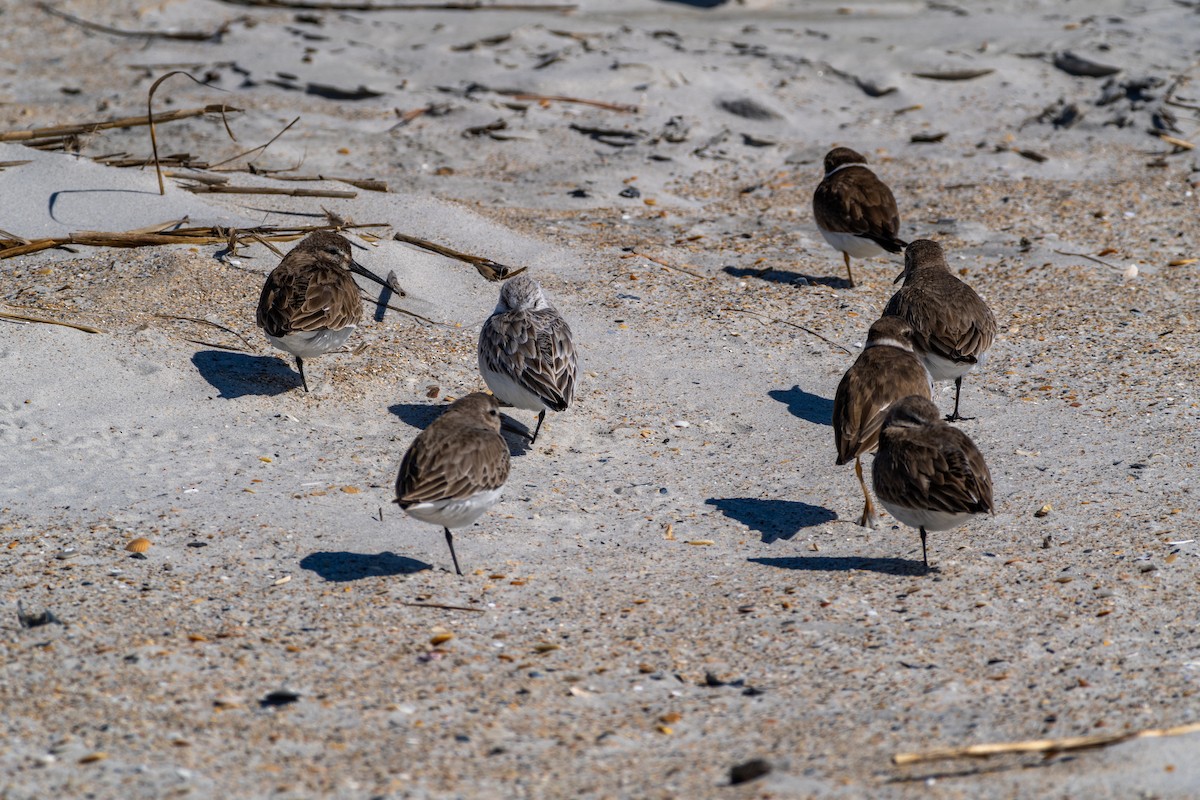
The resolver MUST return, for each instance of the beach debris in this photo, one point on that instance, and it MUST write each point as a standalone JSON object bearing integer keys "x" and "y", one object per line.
{"x": 138, "y": 545}
{"x": 954, "y": 74}
{"x": 746, "y": 108}
{"x": 32, "y": 620}
{"x": 279, "y": 697}
{"x": 92, "y": 758}
{"x": 613, "y": 137}
{"x": 630, "y": 192}
{"x": 1081, "y": 67}
{"x": 873, "y": 89}
{"x": 459, "y": 5}
{"x": 748, "y": 770}
{"x": 490, "y": 270}
{"x": 165, "y": 233}
{"x": 928, "y": 138}
{"x": 1043, "y": 511}
{"x": 1049, "y": 746}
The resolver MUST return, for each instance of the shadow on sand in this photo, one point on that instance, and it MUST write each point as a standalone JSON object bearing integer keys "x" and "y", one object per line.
{"x": 805, "y": 405}
{"x": 888, "y": 566}
{"x": 345, "y": 566}
{"x": 240, "y": 374}
{"x": 774, "y": 519}
{"x": 784, "y": 276}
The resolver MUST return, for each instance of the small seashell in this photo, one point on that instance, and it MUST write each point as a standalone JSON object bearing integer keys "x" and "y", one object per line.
{"x": 351, "y": 489}
{"x": 441, "y": 638}
{"x": 701, "y": 542}
{"x": 282, "y": 581}
{"x": 545, "y": 648}
{"x": 1043, "y": 511}
{"x": 138, "y": 545}
{"x": 91, "y": 758}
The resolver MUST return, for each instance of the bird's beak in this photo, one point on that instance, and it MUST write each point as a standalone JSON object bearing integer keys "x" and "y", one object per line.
{"x": 366, "y": 273}
{"x": 899, "y": 277}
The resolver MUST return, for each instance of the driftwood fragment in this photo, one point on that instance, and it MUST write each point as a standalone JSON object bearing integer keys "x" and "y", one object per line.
{"x": 80, "y": 128}
{"x": 490, "y": 270}
{"x": 182, "y": 36}
{"x": 1048, "y": 746}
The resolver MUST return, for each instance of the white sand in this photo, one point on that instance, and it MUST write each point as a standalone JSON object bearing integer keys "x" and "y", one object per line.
{"x": 694, "y": 422}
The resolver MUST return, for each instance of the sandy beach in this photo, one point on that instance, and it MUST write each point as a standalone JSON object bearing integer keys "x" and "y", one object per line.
{"x": 673, "y": 585}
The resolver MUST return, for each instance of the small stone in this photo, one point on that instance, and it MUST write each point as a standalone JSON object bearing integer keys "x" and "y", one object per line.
{"x": 748, "y": 770}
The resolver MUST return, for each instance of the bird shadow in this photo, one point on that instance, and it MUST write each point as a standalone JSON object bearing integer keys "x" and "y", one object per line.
{"x": 774, "y": 519}
{"x": 805, "y": 405}
{"x": 517, "y": 435}
{"x": 239, "y": 374}
{"x": 343, "y": 566}
{"x": 418, "y": 415}
{"x": 787, "y": 276}
{"x": 888, "y": 566}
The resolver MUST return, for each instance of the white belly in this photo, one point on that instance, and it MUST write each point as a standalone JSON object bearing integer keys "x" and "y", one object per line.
{"x": 929, "y": 520}
{"x": 509, "y": 391}
{"x": 943, "y": 369}
{"x": 856, "y": 246}
{"x": 455, "y": 513}
{"x": 310, "y": 344}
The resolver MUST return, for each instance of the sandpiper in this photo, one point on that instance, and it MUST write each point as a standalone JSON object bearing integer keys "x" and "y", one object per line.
{"x": 526, "y": 355}
{"x": 886, "y": 371}
{"x": 928, "y": 474}
{"x": 310, "y": 303}
{"x": 953, "y": 326}
{"x": 854, "y": 210}
{"x": 455, "y": 469}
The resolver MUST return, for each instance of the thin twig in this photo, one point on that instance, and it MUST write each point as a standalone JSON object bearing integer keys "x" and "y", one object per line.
{"x": 794, "y": 325}
{"x": 219, "y": 346}
{"x": 491, "y": 270}
{"x": 221, "y": 189}
{"x": 558, "y": 98}
{"x": 260, "y": 147}
{"x": 207, "y": 322}
{"x": 1090, "y": 258}
{"x": 150, "y": 115}
{"x": 665, "y": 265}
{"x": 124, "y": 122}
{"x": 447, "y": 607}
{"x": 1041, "y": 745}
{"x": 183, "y": 36}
{"x": 391, "y": 307}
{"x": 44, "y": 321}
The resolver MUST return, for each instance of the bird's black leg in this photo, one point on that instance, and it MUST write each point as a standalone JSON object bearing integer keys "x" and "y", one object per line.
{"x": 300, "y": 366}
{"x": 541, "y": 416}
{"x": 955, "y": 417}
{"x": 450, "y": 542}
{"x": 924, "y": 554}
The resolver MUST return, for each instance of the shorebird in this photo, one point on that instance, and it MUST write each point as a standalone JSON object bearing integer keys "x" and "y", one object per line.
{"x": 885, "y": 372}
{"x": 855, "y": 211}
{"x": 310, "y": 303}
{"x": 526, "y": 355}
{"x": 928, "y": 474}
{"x": 455, "y": 469}
{"x": 953, "y": 326}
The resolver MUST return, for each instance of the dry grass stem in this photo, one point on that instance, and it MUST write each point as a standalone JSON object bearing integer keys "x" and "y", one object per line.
{"x": 1040, "y": 745}
{"x": 490, "y": 270}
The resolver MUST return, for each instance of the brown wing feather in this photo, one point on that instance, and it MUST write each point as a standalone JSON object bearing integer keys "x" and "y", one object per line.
{"x": 853, "y": 200}
{"x": 540, "y": 353}
{"x": 303, "y": 294}
{"x": 945, "y": 472}
{"x": 947, "y": 316}
{"x": 881, "y": 376}
{"x": 440, "y": 467}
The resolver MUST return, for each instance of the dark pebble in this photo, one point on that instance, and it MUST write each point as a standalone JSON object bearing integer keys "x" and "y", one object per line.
{"x": 748, "y": 771}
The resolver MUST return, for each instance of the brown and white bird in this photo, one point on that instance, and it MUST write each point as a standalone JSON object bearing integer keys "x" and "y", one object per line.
{"x": 854, "y": 210}
{"x": 526, "y": 354}
{"x": 929, "y": 474}
{"x": 310, "y": 303}
{"x": 887, "y": 370}
{"x": 455, "y": 469}
{"x": 953, "y": 327}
